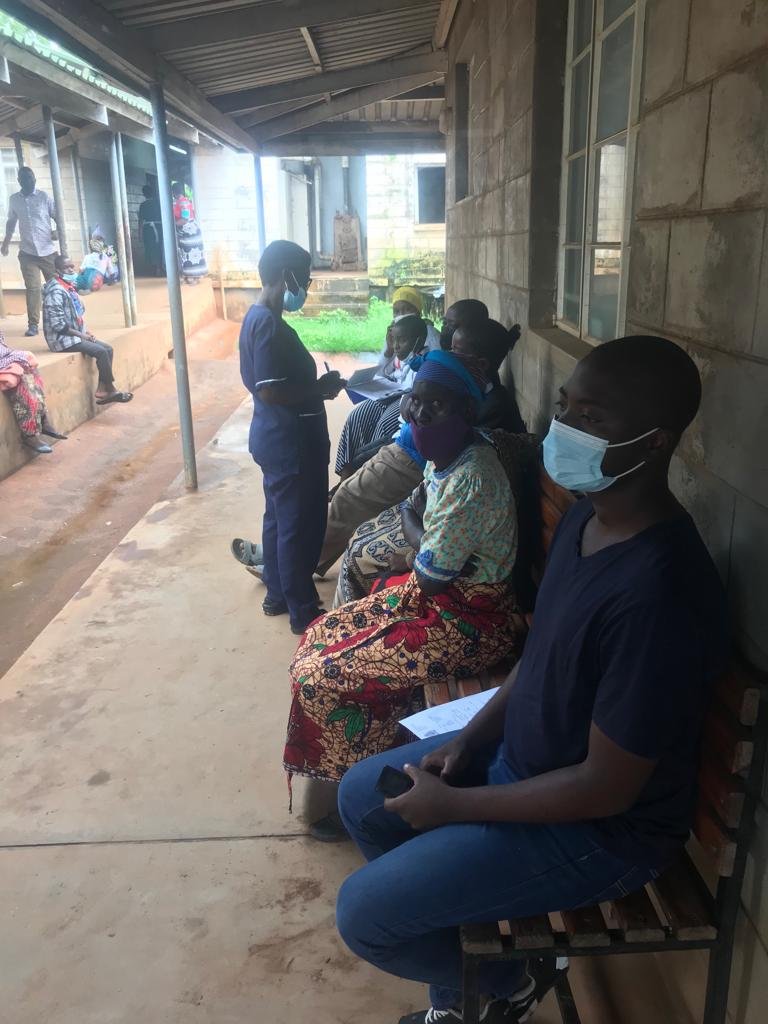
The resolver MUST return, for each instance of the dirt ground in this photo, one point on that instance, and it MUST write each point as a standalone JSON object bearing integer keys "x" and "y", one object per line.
{"x": 63, "y": 513}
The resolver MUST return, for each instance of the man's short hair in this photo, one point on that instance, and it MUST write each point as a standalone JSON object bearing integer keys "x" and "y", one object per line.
{"x": 654, "y": 371}
{"x": 59, "y": 260}
{"x": 470, "y": 312}
{"x": 281, "y": 256}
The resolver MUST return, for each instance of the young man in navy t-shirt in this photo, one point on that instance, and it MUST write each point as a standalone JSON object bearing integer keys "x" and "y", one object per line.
{"x": 587, "y": 754}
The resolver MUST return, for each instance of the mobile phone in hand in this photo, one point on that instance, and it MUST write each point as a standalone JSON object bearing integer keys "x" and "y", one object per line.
{"x": 392, "y": 782}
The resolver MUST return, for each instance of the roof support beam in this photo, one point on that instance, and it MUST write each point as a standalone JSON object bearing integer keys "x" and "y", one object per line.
{"x": 342, "y": 104}
{"x": 344, "y": 145}
{"x": 444, "y": 21}
{"x": 263, "y": 19}
{"x": 333, "y": 81}
{"x": 275, "y": 110}
{"x": 67, "y": 101}
{"x": 314, "y": 54}
{"x": 124, "y": 52}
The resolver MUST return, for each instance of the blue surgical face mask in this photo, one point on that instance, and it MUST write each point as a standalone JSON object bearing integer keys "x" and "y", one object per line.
{"x": 574, "y": 459}
{"x": 70, "y": 278}
{"x": 293, "y": 301}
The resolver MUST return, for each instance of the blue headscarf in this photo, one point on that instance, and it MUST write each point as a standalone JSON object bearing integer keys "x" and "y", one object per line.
{"x": 448, "y": 370}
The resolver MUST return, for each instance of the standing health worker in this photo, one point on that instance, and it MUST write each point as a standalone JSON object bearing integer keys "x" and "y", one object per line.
{"x": 289, "y": 434}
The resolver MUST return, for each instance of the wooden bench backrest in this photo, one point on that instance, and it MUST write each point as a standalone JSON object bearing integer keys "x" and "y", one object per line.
{"x": 733, "y": 741}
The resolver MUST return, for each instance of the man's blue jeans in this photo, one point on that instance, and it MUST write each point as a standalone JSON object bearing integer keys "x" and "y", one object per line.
{"x": 401, "y": 911}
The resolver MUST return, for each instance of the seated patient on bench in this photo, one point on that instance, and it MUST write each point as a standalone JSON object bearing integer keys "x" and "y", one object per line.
{"x": 575, "y": 783}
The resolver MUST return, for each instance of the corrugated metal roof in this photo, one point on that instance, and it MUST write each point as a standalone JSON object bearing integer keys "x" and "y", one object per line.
{"x": 395, "y": 110}
{"x": 363, "y": 40}
{"x": 219, "y": 68}
{"x": 244, "y": 63}
{"x": 140, "y": 13}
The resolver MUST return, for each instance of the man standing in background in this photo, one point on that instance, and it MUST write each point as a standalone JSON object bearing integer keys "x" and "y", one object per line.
{"x": 33, "y": 210}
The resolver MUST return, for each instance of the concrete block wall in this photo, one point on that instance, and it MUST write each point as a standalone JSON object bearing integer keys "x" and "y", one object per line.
{"x": 697, "y": 273}
{"x": 225, "y": 202}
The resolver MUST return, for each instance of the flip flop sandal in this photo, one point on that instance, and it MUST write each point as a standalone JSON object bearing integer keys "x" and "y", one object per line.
{"x": 247, "y": 553}
{"x": 117, "y": 396}
{"x": 273, "y": 608}
{"x": 256, "y": 570}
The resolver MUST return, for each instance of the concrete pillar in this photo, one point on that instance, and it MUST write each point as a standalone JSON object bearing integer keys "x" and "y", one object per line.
{"x": 125, "y": 286}
{"x": 160, "y": 132}
{"x": 58, "y": 191}
{"x": 126, "y": 229}
{"x": 19, "y": 150}
{"x": 261, "y": 225}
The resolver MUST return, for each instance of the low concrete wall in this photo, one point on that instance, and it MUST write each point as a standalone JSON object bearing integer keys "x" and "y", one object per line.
{"x": 70, "y": 379}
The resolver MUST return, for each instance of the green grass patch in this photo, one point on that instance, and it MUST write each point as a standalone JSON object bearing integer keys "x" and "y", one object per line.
{"x": 340, "y": 331}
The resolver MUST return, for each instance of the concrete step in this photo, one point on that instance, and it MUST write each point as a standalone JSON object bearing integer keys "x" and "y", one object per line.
{"x": 355, "y": 308}
{"x": 344, "y": 285}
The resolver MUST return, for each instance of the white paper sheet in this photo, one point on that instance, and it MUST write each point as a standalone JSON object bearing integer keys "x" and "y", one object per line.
{"x": 447, "y": 717}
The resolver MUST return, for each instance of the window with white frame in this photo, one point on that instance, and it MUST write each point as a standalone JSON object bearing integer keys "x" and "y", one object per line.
{"x": 602, "y": 77}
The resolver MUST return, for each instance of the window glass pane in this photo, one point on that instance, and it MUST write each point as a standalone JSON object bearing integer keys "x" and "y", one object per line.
{"x": 612, "y": 9}
{"x": 609, "y": 191}
{"x": 579, "y": 104}
{"x": 615, "y": 75}
{"x": 572, "y": 286}
{"x": 574, "y": 212}
{"x": 582, "y": 26}
{"x": 431, "y": 182}
{"x": 604, "y": 293}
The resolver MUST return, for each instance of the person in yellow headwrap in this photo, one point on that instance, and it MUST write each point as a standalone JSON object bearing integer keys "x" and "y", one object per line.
{"x": 408, "y": 301}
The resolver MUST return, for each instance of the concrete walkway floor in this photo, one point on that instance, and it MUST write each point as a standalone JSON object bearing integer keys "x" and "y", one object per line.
{"x": 149, "y": 870}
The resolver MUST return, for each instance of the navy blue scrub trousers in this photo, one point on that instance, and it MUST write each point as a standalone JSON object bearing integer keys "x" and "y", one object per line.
{"x": 295, "y": 517}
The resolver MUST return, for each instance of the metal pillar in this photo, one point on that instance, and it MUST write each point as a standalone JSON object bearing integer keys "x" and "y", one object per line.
{"x": 126, "y": 229}
{"x": 125, "y": 286}
{"x": 261, "y": 226}
{"x": 58, "y": 191}
{"x": 19, "y": 150}
{"x": 77, "y": 174}
{"x": 160, "y": 132}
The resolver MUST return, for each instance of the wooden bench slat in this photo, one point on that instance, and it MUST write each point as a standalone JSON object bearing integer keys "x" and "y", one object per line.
{"x": 722, "y": 739}
{"x": 714, "y": 840}
{"x": 585, "y": 927}
{"x": 725, "y": 793}
{"x": 531, "y": 932}
{"x": 684, "y": 900}
{"x": 436, "y": 693}
{"x": 740, "y": 694}
{"x": 481, "y": 939}
{"x": 637, "y": 918}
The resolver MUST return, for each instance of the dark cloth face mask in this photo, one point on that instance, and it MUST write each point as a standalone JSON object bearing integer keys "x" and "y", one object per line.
{"x": 441, "y": 442}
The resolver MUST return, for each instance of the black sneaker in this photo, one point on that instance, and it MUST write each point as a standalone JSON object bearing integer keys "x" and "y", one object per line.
{"x": 32, "y": 331}
{"x": 543, "y": 974}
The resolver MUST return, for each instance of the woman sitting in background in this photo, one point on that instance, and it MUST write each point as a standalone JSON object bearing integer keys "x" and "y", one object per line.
{"x": 23, "y": 385}
{"x": 377, "y": 419}
{"x": 408, "y": 301}
{"x": 358, "y": 666}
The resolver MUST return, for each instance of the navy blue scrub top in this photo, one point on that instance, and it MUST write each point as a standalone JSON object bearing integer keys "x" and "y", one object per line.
{"x": 629, "y": 638}
{"x": 271, "y": 352}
